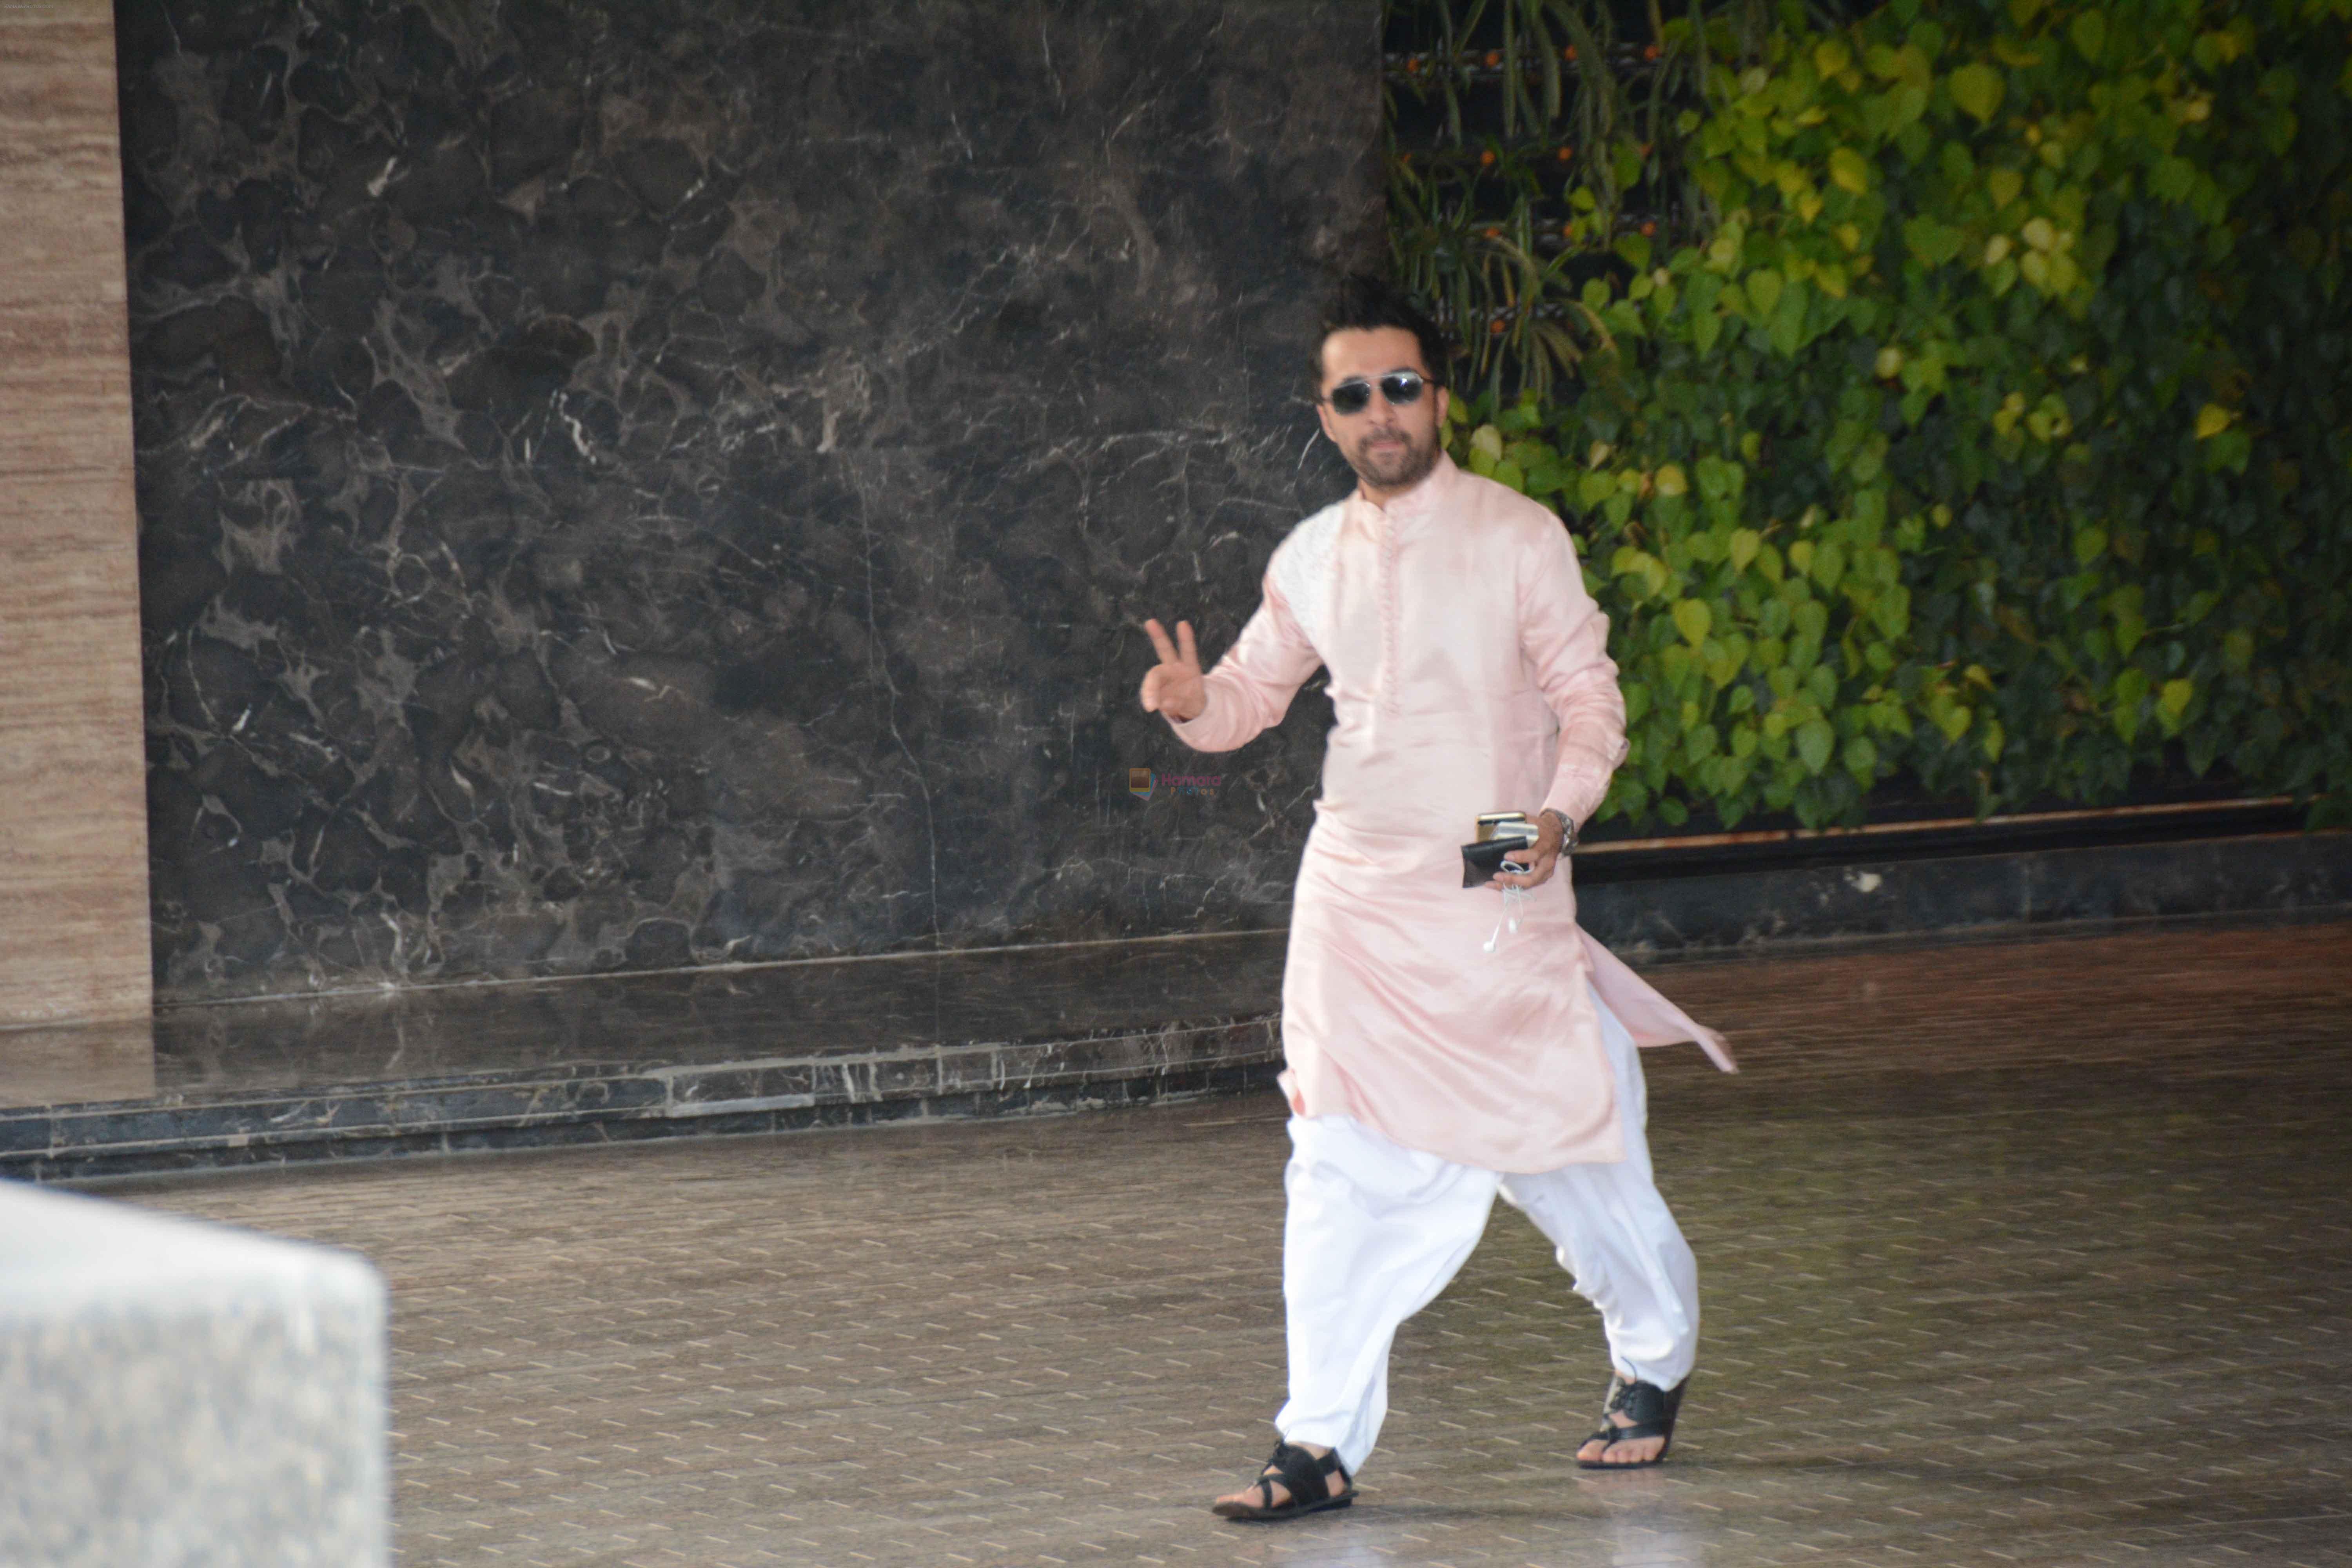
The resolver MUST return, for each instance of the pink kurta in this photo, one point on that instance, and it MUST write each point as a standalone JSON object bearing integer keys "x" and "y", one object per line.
{"x": 1469, "y": 673}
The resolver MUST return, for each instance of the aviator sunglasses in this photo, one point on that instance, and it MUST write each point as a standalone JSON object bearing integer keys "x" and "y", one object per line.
{"x": 1400, "y": 388}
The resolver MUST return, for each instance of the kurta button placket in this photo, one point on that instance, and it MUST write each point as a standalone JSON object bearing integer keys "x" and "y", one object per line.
{"x": 1389, "y": 613}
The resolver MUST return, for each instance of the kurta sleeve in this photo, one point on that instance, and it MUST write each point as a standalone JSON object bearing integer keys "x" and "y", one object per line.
{"x": 1565, "y": 638}
{"x": 1251, "y": 688}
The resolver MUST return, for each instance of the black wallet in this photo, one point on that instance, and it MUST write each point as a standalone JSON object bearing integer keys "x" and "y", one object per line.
{"x": 1501, "y": 834}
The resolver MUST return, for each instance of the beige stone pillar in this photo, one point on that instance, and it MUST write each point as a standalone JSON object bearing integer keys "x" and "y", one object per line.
{"x": 73, "y": 813}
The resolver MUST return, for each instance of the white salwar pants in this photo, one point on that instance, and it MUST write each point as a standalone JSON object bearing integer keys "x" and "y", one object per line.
{"x": 1375, "y": 1231}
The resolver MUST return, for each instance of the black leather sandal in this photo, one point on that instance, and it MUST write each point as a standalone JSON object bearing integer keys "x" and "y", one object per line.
{"x": 1651, "y": 1409}
{"x": 1307, "y": 1479}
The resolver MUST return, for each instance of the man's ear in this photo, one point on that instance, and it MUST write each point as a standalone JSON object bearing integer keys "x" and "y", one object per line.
{"x": 1443, "y": 403}
{"x": 1323, "y": 414}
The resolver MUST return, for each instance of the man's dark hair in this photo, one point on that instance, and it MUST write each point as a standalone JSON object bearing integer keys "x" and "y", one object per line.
{"x": 1362, "y": 302}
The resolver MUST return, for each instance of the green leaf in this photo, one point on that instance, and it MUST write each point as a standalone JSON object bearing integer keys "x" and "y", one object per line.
{"x": 1932, "y": 242}
{"x": 1892, "y": 614}
{"x": 1763, "y": 291}
{"x": 1849, "y": 171}
{"x": 2228, "y": 450}
{"x": 2089, "y": 31}
{"x": 2128, "y": 605}
{"x": 1788, "y": 321}
{"x": 1862, "y": 759}
{"x": 1706, "y": 327}
{"x": 1692, "y": 619}
{"x": 2090, "y": 543}
{"x": 2004, "y": 187}
{"x": 2175, "y": 696}
{"x": 1815, "y": 741}
{"x": 1978, "y": 89}
{"x": 2130, "y": 691}
{"x": 1744, "y": 544}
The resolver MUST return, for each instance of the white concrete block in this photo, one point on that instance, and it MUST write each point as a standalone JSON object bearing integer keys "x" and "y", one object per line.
{"x": 177, "y": 1393}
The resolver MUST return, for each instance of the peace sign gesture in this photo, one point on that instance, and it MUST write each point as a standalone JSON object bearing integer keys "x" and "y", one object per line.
{"x": 1173, "y": 686}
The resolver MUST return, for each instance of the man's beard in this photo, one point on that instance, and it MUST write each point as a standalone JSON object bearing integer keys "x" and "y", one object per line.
{"x": 1395, "y": 469}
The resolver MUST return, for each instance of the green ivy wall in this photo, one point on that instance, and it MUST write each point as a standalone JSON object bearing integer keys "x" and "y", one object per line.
{"x": 1981, "y": 414}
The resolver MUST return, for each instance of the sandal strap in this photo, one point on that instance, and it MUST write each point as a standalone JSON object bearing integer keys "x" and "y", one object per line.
{"x": 1649, "y": 1409}
{"x": 1302, "y": 1472}
{"x": 1612, "y": 1432}
{"x": 1645, "y": 1404}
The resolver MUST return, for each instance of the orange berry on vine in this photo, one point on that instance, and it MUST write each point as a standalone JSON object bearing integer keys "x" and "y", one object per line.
{"x": 1487, "y": 158}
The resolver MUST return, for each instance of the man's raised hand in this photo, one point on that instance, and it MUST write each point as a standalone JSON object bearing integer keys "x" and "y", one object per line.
{"x": 1173, "y": 686}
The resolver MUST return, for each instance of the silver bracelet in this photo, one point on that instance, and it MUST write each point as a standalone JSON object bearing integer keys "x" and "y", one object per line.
{"x": 1567, "y": 828}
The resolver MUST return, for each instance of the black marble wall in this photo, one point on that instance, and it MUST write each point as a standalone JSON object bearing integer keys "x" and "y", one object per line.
{"x": 666, "y": 482}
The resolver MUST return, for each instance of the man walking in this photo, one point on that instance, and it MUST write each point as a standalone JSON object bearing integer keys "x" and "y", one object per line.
{"x": 1443, "y": 1044}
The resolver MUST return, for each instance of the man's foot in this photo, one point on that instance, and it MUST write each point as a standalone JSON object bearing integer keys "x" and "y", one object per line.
{"x": 1637, "y": 1425}
{"x": 1270, "y": 1497}
{"x": 1607, "y": 1452}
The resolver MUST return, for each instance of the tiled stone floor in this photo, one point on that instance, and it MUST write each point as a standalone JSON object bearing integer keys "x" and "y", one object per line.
{"x": 2011, "y": 1254}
